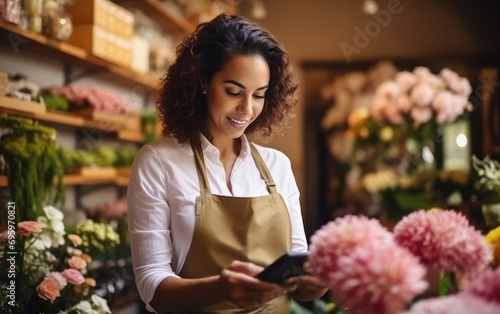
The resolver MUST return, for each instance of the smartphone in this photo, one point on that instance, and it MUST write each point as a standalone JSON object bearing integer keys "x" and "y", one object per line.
{"x": 288, "y": 265}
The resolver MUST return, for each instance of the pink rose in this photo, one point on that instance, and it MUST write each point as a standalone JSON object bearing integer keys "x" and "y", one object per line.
{"x": 442, "y": 104}
{"x": 403, "y": 103}
{"x": 422, "y": 95}
{"x": 59, "y": 278}
{"x": 73, "y": 276}
{"x": 421, "y": 115}
{"x": 26, "y": 228}
{"x": 388, "y": 90}
{"x": 48, "y": 289}
{"x": 77, "y": 262}
{"x": 405, "y": 80}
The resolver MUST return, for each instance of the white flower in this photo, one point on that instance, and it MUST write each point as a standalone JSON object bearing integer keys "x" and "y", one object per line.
{"x": 57, "y": 226}
{"x": 84, "y": 307}
{"x": 100, "y": 304}
{"x": 53, "y": 213}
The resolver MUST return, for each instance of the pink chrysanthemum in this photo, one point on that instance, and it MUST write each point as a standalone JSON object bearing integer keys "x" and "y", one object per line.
{"x": 444, "y": 240}
{"x": 341, "y": 236}
{"x": 377, "y": 279}
{"x": 457, "y": 304}
{"x": 487, "y": 286}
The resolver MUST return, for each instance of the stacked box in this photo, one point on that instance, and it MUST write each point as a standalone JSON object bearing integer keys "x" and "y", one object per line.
{"x": 104, "y": 29}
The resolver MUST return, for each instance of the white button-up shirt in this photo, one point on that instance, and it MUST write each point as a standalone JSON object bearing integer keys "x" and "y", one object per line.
{"x": 162, "y": 195}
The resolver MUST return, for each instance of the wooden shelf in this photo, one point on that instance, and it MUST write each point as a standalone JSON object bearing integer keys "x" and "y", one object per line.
{"x": 68, "y": 119}
{"x": 80, "y": 55}
{"x": 81, "y": 179}
{"x": 167, "y": 18}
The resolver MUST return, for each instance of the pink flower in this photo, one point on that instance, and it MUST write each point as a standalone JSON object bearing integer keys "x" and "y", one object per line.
{"x": 73, "y": 276}
{"x": 26, "y": 228}
{"x": 75, "y": 239}
{"x": 443, "y": 240}
{"x": 77, "y": 262}
{"x": 59, "y": 278}
{"x": 48, "y": 289}
{"x": 421, "y": 114}
{"x": 405, "y": 80}
{"x": 487, "y": 286}
{"x": 340, "y": 237}
{"x": 456, "y": 304}
{"x": 403, "y": 103}
{"x": 388, "y": 90}
{"x": 422, "y": 95}
{"x": 378, "y": 279}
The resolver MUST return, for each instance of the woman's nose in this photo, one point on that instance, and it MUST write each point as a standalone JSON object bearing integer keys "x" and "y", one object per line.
{"x": 245, "y": 106}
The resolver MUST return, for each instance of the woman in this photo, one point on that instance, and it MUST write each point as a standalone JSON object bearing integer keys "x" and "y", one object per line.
{"x": 208, "y": 209}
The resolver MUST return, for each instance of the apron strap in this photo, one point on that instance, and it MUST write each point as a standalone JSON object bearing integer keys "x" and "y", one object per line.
{"x": 264, "y": 171}
{"x": 200, "y": 167}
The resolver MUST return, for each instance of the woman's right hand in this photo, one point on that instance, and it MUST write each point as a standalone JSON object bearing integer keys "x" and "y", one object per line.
{"x": 238, "y": 284}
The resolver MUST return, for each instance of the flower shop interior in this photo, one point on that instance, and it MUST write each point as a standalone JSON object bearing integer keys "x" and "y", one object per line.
{"x": 395, "y": 146}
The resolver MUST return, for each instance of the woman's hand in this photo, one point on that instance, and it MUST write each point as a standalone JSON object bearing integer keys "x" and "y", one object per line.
{"x": 305, "y": 288}
{"x": 238, "y": 284}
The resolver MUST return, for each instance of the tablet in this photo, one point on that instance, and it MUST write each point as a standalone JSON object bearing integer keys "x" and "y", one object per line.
{"x": 288, "y": 265}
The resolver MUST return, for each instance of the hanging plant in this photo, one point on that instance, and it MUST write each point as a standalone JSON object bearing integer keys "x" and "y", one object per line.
{"x": 33, "y": 168}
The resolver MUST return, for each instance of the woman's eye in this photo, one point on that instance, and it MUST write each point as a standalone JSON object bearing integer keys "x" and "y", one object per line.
{"x": 231, "y": 94}
{"x": 259, "y": 96}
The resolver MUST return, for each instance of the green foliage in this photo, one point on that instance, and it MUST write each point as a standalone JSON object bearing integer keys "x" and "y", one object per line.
{"x": 104, "y": 156}
{"x": 124, "y": 156}
{"x": 34, "y": 169}
{"x": 96, "y": 236}
{"x": 488, "y": 179}
{"x": 55, "y": 102}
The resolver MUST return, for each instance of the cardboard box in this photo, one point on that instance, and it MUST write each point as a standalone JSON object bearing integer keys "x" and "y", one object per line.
{"x": 103, "y": 44}
{"x": 104, "y": 14}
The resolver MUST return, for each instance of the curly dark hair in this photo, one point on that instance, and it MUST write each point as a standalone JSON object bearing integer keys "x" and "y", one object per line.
{"x": 181, "y": 104}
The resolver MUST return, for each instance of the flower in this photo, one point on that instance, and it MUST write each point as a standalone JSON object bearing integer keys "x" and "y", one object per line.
{"x": 59, "y": 278}
{"x": 48, "y": 289}
{"x": 493, "y": 238}
{"x": 377, "y": 279}
{"x": 487, "y": 286}
{"x": 100, "y": 304}
{"x": 443, "y": 240}
{"x": 456, "y": 304}
{"x": 28, "y": 227}
{"x": 340, "y": 237}
{"x": 75, "y": 239}
{"x": 77, "y": 262}
{"x": 73, "y": 276}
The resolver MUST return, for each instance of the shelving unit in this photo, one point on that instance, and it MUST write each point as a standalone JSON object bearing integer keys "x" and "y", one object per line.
{"x": 79, "y": 55}
{"x": 78, "y": 179}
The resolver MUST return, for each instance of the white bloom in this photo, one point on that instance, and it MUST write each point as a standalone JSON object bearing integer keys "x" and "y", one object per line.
{"x": 53, "y": 213}
{"x": 100, "y": 304}
{"x": 57, "y": 226}
{"x": 42, "y": 221}
{"x": 422, "y": 95}
{"x": 84, "y": 307}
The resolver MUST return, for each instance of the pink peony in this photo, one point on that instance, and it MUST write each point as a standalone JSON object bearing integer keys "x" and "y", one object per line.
{"x": 456, "y": 304}
{"x": 421, "y": 115}
{"x": 378, "y": 279}
{"x": 77, "y": 262}
{"x": 405, "y": 80}
{"x": 442, "y": 104}
{"x": 59, "y": 278}
{"x": 340, "y": 237}
{"x": 422, "y": 95}
{"x": 48, "y": 289}
{"x": 73, "y": 276}
{"x": 443, "y": 240}
{"x": 26, "y": 228}
{"x": 487, "y": 286}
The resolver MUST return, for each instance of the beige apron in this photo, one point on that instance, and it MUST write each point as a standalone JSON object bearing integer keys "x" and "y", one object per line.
{"x": 250, "y": 229}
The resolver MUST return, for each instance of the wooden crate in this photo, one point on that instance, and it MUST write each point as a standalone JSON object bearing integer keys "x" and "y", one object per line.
{"x": 21, "y": 105}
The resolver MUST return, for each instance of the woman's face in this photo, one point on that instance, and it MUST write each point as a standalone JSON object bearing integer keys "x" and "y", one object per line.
{"x": 235, "y": 96}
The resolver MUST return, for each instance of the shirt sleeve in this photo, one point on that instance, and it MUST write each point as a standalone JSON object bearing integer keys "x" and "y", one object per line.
{"x": 149, "y": 223}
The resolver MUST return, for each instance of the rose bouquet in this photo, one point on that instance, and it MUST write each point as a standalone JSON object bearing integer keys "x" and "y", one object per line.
{"x": 372, "y": 270}
{"x": 53, "y": 269}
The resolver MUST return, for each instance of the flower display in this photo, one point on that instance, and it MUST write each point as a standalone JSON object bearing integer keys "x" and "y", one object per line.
{"x": 367, "y": 272}
{"x": 52, "y": 273}
{"x": 444, "y": 240}
{"x": 370, "y": 269}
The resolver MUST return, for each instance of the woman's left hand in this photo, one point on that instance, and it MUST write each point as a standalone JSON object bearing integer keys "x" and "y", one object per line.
{"x": 305, "y": 288}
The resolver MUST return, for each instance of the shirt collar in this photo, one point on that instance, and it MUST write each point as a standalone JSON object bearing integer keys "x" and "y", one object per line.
{"x": 207, "y": 147}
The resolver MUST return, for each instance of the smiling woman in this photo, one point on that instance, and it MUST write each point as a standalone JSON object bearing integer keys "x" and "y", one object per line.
{"x": 206, "y": 193}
